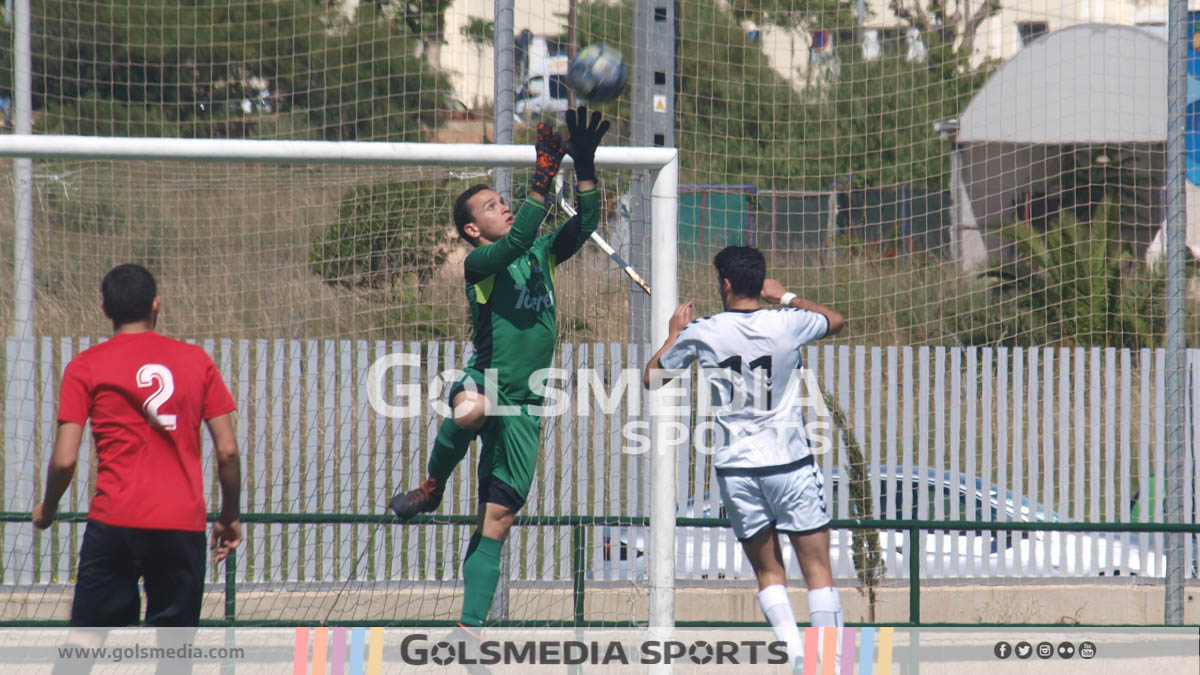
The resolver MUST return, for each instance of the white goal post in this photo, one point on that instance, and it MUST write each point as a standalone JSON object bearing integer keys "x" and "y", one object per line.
{"x": 663, "y": 163}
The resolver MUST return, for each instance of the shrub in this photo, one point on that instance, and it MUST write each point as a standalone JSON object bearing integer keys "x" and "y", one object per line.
{"x": 1077, "y": 283}
{"x": 385, "y": 232}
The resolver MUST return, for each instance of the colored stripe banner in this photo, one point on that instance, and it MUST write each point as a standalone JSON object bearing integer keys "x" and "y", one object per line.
{"x": 866, "y": 650}
{"x": 827, "y": 651}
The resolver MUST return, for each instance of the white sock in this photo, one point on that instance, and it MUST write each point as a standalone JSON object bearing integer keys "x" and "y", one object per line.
{"x": 825, "y": 606}
{"x": 777, "y": 607}
{"x": 825, "y": 611}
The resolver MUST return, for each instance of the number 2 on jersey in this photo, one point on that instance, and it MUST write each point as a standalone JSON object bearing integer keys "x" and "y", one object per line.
{"x": 157, "y": 374}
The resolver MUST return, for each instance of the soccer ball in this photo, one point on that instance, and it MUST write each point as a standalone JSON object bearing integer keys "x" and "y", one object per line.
{"x": 597, "y": 73}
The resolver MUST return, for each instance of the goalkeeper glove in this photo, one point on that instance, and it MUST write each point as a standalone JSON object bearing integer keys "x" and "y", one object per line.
{"x": 549, "y": 153}
{"x": 585, "y": 138}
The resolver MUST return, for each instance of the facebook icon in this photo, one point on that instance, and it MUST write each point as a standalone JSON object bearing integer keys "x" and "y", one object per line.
{"x": 1002, "y": 650}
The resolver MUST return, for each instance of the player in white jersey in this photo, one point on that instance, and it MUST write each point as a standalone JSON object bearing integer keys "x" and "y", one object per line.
{"x": 765, "y": 466}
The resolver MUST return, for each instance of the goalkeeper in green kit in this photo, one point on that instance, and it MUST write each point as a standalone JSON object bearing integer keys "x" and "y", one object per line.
{"x": 510, "y": 289}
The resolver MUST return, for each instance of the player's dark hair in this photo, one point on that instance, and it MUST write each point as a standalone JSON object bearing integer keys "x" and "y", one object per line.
{"x": 744, "y": 267}
{"x": 128, "y": 292}
{"x": 462, "y": 210}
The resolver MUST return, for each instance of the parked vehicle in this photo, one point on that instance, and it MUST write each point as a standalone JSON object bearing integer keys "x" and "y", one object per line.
{"x": 712, "y": 552}
{"x": 542, "y": 95}
{"x": 543, "y": 91}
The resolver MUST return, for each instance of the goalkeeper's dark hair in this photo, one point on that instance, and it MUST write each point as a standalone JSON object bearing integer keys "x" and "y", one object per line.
{"x": 744, "y": 267}
{"x": 128, "y": 292}
{"x": 462, "y": 210}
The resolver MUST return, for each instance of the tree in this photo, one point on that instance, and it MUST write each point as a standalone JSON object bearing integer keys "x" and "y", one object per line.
{"x": 179, "y": 68}
{"x": 479, "y": 31}
{"x": 953, "y": 27}
{"x": 876, "y": 124}
{"x": 425, "y": 19}
{"x": 738, "y": 121}
{"x": 826, "y": 14}
{"x": 952, "y": 24}
{"x": 879, "y": 115}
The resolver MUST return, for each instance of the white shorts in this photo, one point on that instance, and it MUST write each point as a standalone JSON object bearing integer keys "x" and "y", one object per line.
{"x": 793, "y": 500}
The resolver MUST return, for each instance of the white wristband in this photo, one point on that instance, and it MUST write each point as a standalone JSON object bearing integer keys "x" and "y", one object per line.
{"x": 787, "y": 298}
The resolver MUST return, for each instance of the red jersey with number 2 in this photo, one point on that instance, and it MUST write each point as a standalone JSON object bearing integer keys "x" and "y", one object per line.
{"x": 147, "y": 396}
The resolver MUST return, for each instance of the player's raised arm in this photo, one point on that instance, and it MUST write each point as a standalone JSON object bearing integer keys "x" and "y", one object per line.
{"x": 501, "y": 242}
{"x": 585, "y": 137}
{"x": 679, "y": 321}
{"x": 774, "y": 293}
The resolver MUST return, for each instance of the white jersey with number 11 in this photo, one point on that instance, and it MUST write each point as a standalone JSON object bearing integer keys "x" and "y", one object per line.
{"x": 750, "y": 365}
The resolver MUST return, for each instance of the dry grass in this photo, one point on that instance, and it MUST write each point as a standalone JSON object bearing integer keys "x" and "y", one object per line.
{"x": 228, "y": 243}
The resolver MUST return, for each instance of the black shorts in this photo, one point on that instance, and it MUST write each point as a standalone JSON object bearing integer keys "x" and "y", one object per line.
{"x": 492, "y": 490}
{"x": 111, "y": 561}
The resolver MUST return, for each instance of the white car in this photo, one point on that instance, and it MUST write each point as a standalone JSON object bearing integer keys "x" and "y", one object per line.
{"x": 541, "y": 96}
{"x": 713, "y": 553}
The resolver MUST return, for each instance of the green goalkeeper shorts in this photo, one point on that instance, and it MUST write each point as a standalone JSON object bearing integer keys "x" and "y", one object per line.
{"x": 510, "y": 444}
{"x": 509, "y": 451}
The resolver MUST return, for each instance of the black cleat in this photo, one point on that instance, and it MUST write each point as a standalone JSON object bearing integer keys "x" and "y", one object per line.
{"x": 424, "y": 499}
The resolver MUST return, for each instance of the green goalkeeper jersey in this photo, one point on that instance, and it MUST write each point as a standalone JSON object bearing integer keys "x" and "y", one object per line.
{"x": 510, "y": 287}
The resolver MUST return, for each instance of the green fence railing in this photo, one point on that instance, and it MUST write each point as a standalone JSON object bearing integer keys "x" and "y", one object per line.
{"x": 579, "y": 548}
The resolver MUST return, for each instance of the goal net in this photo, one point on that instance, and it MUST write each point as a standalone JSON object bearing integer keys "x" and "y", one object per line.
{"x": 331, "y": 299}
{"x": 976, "y": 190}
{"x": 979, "y": 188}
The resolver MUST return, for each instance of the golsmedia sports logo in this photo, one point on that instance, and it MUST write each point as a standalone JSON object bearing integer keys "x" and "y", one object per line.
{"x": 797, "y": 406}
{"x": 419, "y": 649}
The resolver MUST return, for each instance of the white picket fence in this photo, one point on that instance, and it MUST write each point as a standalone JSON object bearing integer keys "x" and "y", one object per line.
{"x": 1073, "y": 430}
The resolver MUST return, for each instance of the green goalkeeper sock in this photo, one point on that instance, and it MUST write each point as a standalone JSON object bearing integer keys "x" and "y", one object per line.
{"x": 481, "y": 573}
{"x": 449, "y": 449}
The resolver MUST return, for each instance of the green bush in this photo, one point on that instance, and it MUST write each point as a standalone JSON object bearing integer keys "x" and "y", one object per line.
{"x": 385, "y": 232}
{"x": 92, "y": 115}
{"x": 1075, "y": 284}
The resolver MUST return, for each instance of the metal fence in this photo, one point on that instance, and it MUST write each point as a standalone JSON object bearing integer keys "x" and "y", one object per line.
{"x": 976, "y": 434}
{"x": 887, "y": 222}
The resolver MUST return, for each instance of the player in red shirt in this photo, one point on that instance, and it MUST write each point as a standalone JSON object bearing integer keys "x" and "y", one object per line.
{"x": 146, "y": 395}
